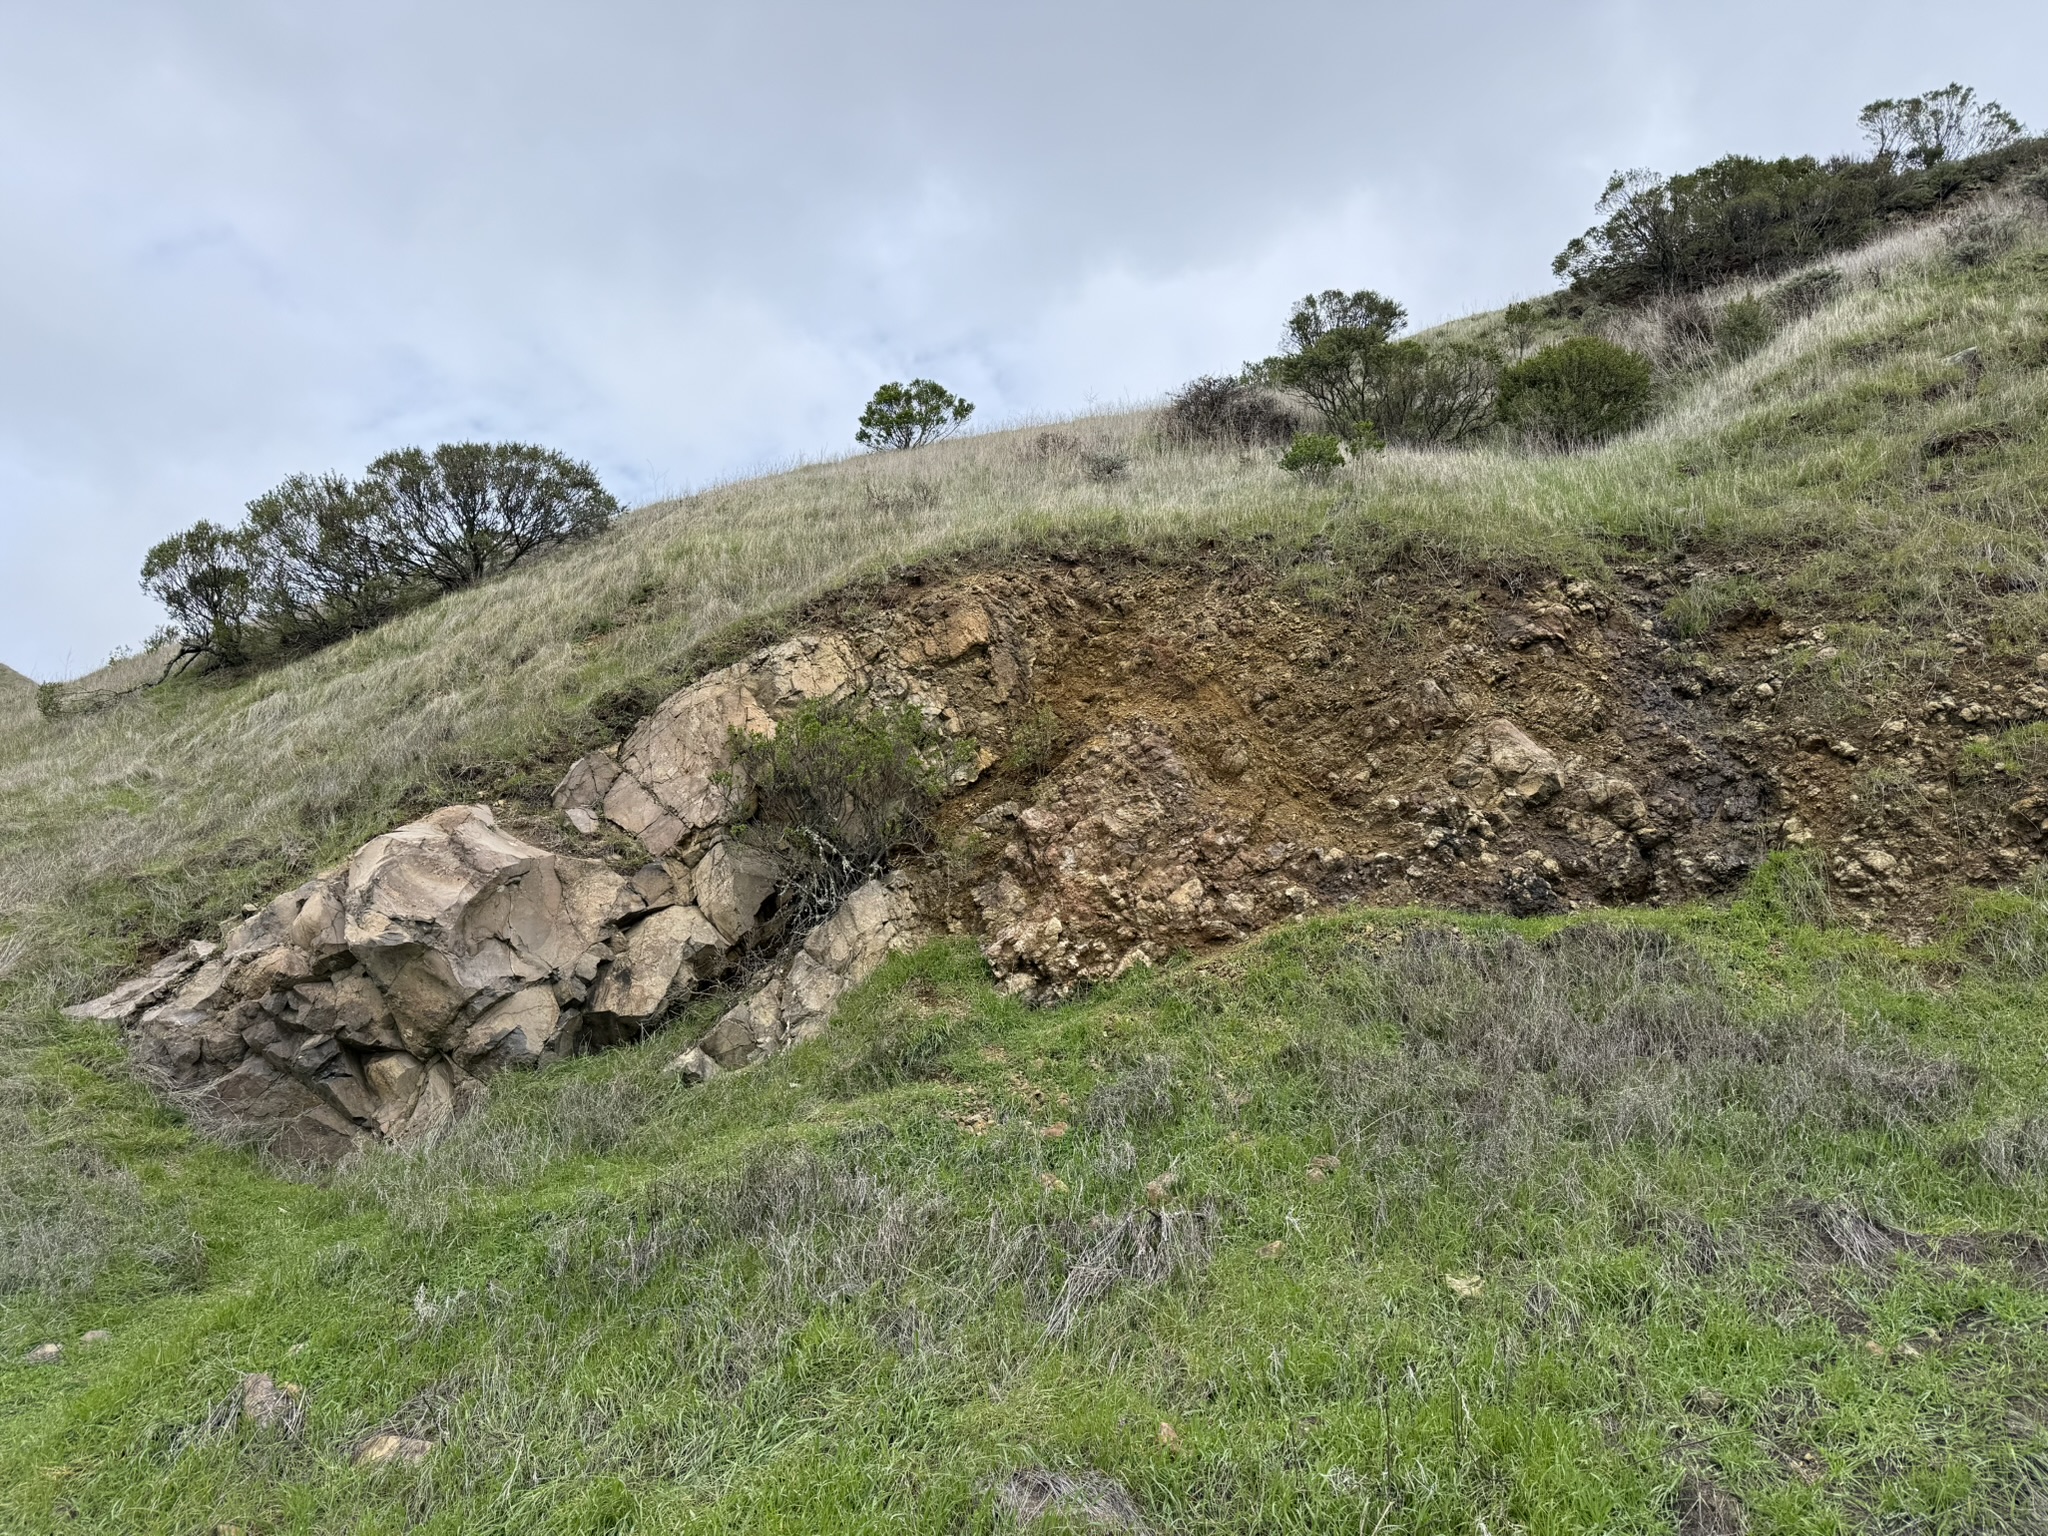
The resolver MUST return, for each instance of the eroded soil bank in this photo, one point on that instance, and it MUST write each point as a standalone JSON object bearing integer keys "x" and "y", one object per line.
{"x": 1191, "y": 754}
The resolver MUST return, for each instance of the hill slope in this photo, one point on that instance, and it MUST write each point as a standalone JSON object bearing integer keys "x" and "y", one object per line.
{"x": 1722, "y": 1213}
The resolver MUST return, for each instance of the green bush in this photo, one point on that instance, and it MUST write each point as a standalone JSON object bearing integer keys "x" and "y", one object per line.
{"x": 321, "y": 556}
{"x": 1576, "y": 392}
{"x": 838, "y": 789}
{"x": 1715, "y": 600}
{"x": 1341, "y": 357}
{"x": 911, "y": 415}
{"x": 1314, "y": 456}
{"x": 1745, "y": 324}
{"x": 1798, "y": 297}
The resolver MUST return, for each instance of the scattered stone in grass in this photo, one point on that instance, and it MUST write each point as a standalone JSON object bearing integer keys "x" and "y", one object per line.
{"x": 1158, "y": 1189}
{"x": 1273, "y": 1250}
{"x": 387, "y": 1448}
{"x": 693, "y": 1066}
{"x": 1169, "y": 1436}
{"x": 1054, "y": 1131}
{"x": 95, "y": 1336}
{"x": 44, "y": 1354}
{"x": 1052, "y": 1183}
{"x": 1088, "y": 1500}
{"x": 268, "y": 1404}
{"x": 1466, "y": 1287}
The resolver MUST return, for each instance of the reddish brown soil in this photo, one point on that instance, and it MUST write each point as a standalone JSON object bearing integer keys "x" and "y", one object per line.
{"x": 1193, "y": 754}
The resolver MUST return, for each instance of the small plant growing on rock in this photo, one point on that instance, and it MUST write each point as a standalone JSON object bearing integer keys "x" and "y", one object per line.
{"x": 1036, "y": 743}
{"x": 1577, "y": 392}
{"x": 911, "y": 415}
{"x": 840, "y": 788}
{"x": 1314, "y": 456}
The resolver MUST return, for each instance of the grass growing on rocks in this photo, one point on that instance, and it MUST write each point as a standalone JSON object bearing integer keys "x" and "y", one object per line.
{"x": 1695, "y": 1179}
{"x": 1391, "y": 1217}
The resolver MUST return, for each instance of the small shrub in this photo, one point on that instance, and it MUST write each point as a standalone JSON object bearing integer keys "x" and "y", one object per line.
{"x": 1036, "y": 742}
{"x": 1229, "y": 413}
{"x": 49, "y": 700}
{"x": 1942, "y": 125}
{"x": 1518, "y": 323}
{"x": 1314, "y": 456}
{"x": 1744, "y": 326}
{"x": 909, "y": 1044}
{"x": 1340, "y": 356}
{"x": 1364, "y": 438}
{"x": 1577, "y": 392}
{"x": 1104, "y": 464}
{"x": 838, "y": 789}
{"x": 1140, "y": 1096}
{"x": 1791, "y": 886}
{"x": 911, "y": 415}
{"x": 1982, "y": 238}
{"x": 1806, "y": 294}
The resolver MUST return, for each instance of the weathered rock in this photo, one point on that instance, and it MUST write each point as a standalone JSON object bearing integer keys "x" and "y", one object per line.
{"x": 388, "y": 1449}
{"x": 267, "y": 1404}
{"x": 295, "y": 1121}
{"x": 585, "y": 785}
{"x": 744, "y": 1034}
{"x": 674, "y": 780}
{"x": 670, "y": 785}
{"x": 735, "y": 886}
{"x": 44, "y": 1354}
{"x": 370, "y": 1001}
{"x": 512, "y": 1032}
{"x": 843, "y": 951}
{"x": 94, "y": 1336}
{"x": 1502, "y": 757}
{"x": 127, "y": 1001}
{"x": 876, "y": 920}
{"x": 665, "y": 955}
{"x": 693, "y": 1066}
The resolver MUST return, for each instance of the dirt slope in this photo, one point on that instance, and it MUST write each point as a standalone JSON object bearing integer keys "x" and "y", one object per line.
{"x": 1192, "y": 753}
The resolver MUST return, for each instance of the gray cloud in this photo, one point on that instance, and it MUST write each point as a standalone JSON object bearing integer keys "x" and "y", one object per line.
{"x": 686, "y": 241}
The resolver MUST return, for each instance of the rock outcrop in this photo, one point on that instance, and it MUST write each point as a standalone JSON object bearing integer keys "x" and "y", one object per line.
{"x": 672, "y": 784}
{"x": 374, "y": 1000}
{"x": 796, "y": 1001}
{"x": 1189, "y": 755}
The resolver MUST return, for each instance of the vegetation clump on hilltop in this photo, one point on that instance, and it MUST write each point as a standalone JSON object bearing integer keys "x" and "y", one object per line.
{"x": 321, "y": 557}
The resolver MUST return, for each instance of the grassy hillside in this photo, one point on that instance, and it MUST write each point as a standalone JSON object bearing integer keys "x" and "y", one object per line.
{"x": 1742, "y": 1209}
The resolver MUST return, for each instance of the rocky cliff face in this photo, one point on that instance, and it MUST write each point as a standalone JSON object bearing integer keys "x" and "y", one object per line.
{"x": 1169, "y": 759}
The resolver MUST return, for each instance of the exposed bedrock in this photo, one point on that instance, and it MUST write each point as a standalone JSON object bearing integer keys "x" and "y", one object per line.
{"x": 1169, "y": 759}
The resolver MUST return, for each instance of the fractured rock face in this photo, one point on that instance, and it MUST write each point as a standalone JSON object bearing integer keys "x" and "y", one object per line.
{"x": 876, "y": 920}
{"x": 373, "y": 1000}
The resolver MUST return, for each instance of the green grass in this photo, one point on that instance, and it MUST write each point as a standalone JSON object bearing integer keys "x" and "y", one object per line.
{"x": 807, "y": 1298}
{"x": 798, "y": 1301}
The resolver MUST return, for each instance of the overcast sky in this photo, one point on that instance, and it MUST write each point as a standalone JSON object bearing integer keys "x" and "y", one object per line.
{"x": 686, "y": 241}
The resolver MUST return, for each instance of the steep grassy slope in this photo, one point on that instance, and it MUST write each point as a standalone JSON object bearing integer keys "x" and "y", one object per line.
{"x": 1741, "y": 1209}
